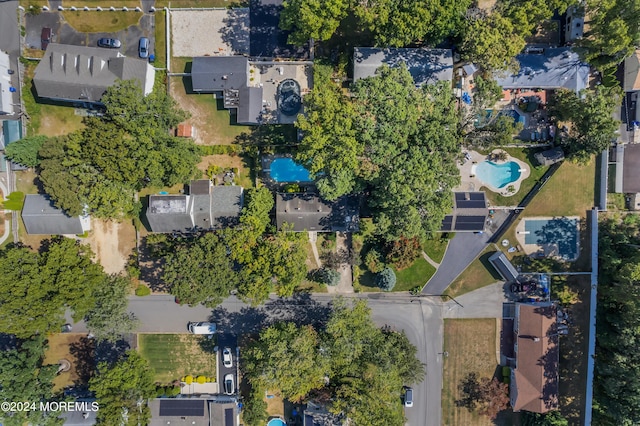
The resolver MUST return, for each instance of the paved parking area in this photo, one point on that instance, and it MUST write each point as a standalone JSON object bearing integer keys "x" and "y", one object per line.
{"x": 63, "y": 33}
{"x": 210, "y": 32}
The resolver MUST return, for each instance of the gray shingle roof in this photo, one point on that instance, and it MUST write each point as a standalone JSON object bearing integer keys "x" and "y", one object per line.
{"x": 169, "y": 213}
{"x": 217, "y": 73}
{"x": 226, "y": 205}
{"x": 427, "y": 66}
{"x": 250, "y": 105}
{"x": 555, "y": 68}
{"x": 41, "y": 216}
{"x": 631, "y": 168}
{"x": 308, "y": 212}
{"x": 503, "y": 266}
{"x": 6, "y": 99}
{"x": 80, "y": 73}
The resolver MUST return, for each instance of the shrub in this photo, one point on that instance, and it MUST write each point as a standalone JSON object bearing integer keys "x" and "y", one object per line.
{"x": 160, "y": 391}
{"x": 220, "y": 149}
{"x": 143, "y": 290}
{"x": 292, "y": 187}
{"x": 213, "y": 170}
{"x": 327, "y": 276}
{"x": 374, "y": 261}
{"x": 173, "y": 390}
{"x": 416, "y": 290}
{"x": 403, "y": 252}
{"x": 188, "y": 379}
{"x": 201, "y": 379}
{"x": 386, "y": 279}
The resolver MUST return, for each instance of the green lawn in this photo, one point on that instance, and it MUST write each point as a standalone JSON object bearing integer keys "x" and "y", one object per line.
{"x": 173, "y": 356}
{"x": 416, "y": 275}
{"x": 160, "y": 48}
{"x": 101, "y": 22}
{"x": 616, "y": 202}
{"x": 436, "y": 247}
{"x": 478, "y": 274}
{"x": 526, "y": 155}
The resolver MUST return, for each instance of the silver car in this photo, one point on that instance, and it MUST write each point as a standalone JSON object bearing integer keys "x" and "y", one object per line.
{"x": 227, "y": 357}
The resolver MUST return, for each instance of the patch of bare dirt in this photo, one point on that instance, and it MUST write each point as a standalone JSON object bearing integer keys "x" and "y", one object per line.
{"x": 112, "y": 242}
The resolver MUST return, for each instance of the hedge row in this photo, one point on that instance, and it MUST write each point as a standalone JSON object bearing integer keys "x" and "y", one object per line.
{"x": 220, "y": 149}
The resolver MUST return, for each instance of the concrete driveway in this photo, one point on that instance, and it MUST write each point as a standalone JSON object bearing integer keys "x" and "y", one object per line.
{"x": 63, "y": 33}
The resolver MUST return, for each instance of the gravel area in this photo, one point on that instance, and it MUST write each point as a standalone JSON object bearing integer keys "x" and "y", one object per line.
{"x": 210, "y": 32}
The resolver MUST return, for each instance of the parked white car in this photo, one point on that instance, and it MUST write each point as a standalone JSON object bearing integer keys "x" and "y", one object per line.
{"x": 227, "y": 357}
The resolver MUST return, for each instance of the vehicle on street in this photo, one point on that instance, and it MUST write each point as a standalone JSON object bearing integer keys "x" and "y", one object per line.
{"x": 202, "y": 328}
{"x": 143, "y": 47}
{"x": 227, "y": 357}
{"x": 408, "y": 397}
{"x": 112, "y": 43}
{"x": 229, "y": 388}
{"x": 45, "y": 37}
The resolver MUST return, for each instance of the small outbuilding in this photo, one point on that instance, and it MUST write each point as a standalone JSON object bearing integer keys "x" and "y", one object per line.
{"x": 506, "y": 270}
{"x": 185, "y": 130}
{"x": 550, "y": 156}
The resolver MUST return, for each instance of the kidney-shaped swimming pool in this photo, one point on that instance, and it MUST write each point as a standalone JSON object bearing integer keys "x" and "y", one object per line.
{"x": 498, "y": 175}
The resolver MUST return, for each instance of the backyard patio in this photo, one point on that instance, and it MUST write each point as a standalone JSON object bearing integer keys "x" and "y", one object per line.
{"x": 498, "y": 171}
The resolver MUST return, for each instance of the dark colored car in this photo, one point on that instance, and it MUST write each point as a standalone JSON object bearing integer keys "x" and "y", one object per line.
{"x": 112, "y": 43}
{"x": 143, "y": 47}
{"x": 45, "y": 37}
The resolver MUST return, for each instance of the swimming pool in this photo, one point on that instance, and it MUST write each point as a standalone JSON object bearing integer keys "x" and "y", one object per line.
{"x": 498, "y": 175}
{"x": 276, "y": 422}
{"x": 287, "y": 170}
{"x": 561, "y": 232}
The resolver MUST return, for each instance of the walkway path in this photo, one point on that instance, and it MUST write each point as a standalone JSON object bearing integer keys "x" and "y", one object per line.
{"x": 313, "y": 237}
{"x": 431, "y": 261}
{"x": 345, "y": 286}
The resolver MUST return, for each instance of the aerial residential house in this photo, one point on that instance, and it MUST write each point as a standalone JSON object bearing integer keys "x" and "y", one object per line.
{"x": 204, "y": 207}
{"x": 426, "y": 66}
{"x": 83, "y": 74}
{"x": 470, "y": 212}
{"x": 627, "y": 166}
{"x": 309, "y": 212}
{"x": 42, "y": 217}
{"x": 547, "y": 68}
{"x": 534, "y": 379}
{"x": 193, "y": 411}
{"x": 6, "y": 97}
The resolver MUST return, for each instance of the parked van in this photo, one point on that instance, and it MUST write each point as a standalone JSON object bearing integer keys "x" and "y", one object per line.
{"x": 202, "y": 327}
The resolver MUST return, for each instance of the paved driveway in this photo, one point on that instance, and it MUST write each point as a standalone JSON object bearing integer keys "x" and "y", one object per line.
{"x": 65, "y": 34}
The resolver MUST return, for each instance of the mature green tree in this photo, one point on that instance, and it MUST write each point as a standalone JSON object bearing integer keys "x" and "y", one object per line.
{"x": 109, "y": 319}
{"x": 100, "y": 167}
{"x": 552, "y": 418}
{"x": 329, "y": 148}
{"x": 399, "y": 23}
{"x": 24, "y": 377}
{"x": 286, "y": 357}
{"x": 25, "y": 151}
{"x": 317, "y": 19}
{"x": 200, "y": 271}
{"x": 399, "y": 140}
{"x": 613, "y": 31}
{"x": 492, "y": 41}
{"x": 123, "y": 389}
{"x": 38, "y": 288}
{"x": 527, "y": 15}
{"x": 593, "y": 127}
{"x": 486, "y": 93}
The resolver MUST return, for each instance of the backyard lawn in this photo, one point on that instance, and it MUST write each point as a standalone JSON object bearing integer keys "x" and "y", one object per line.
{"x": 60, "y": 347}
{"x": 101, "y": 22}
{"x": 160, "y": 48}
{"x": 407, "y": 279}
{"x": 243, "y": 177}
{"x": 173, "y": 356}
{"x": 436, "y": 247}
{"x": 526, "y": 155}
{"x": 214, "y": 124}
{"x": 471, "y": 348}
{"x": 478, "y": 274}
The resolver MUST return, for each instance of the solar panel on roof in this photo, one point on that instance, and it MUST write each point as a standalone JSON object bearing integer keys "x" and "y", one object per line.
{"x": 470, "y": 204}
{"x": 446, "y": 223}
{"x": 469, "y": 227}
{"x": 228, "y": 416}
{"x": 477, "y": 196}
{"x": 182, "y": 408}
{"x": 470, "y": 219}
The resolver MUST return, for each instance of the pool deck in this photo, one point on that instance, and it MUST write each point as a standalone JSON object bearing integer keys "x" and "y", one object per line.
{"x": 546, "y": 250}
{"x": 469, "y": 181}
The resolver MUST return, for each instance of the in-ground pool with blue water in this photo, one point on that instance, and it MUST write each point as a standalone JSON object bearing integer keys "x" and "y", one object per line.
{"x": 563, "y": 232}
{"x": 276, "y": 422}
{"x": 287, "y": 170}
{"x": 498, "y": 175}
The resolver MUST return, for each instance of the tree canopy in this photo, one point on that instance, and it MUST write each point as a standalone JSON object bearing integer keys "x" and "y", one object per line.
{"x": 99, "y": 168}
{"x": 616, "y": 385}
{"x": 592, "y": 126}
{"x": 359, "y": 367}
{"x": 109, "y": 318}
{"x": 122, "y": 389}
{"x": 37, "y": 288}
{"x": 397, "y": 141}
{"x": 317, "y": 19}
{"x": 25, "y": 151}
{"x": 25, "y": 377}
